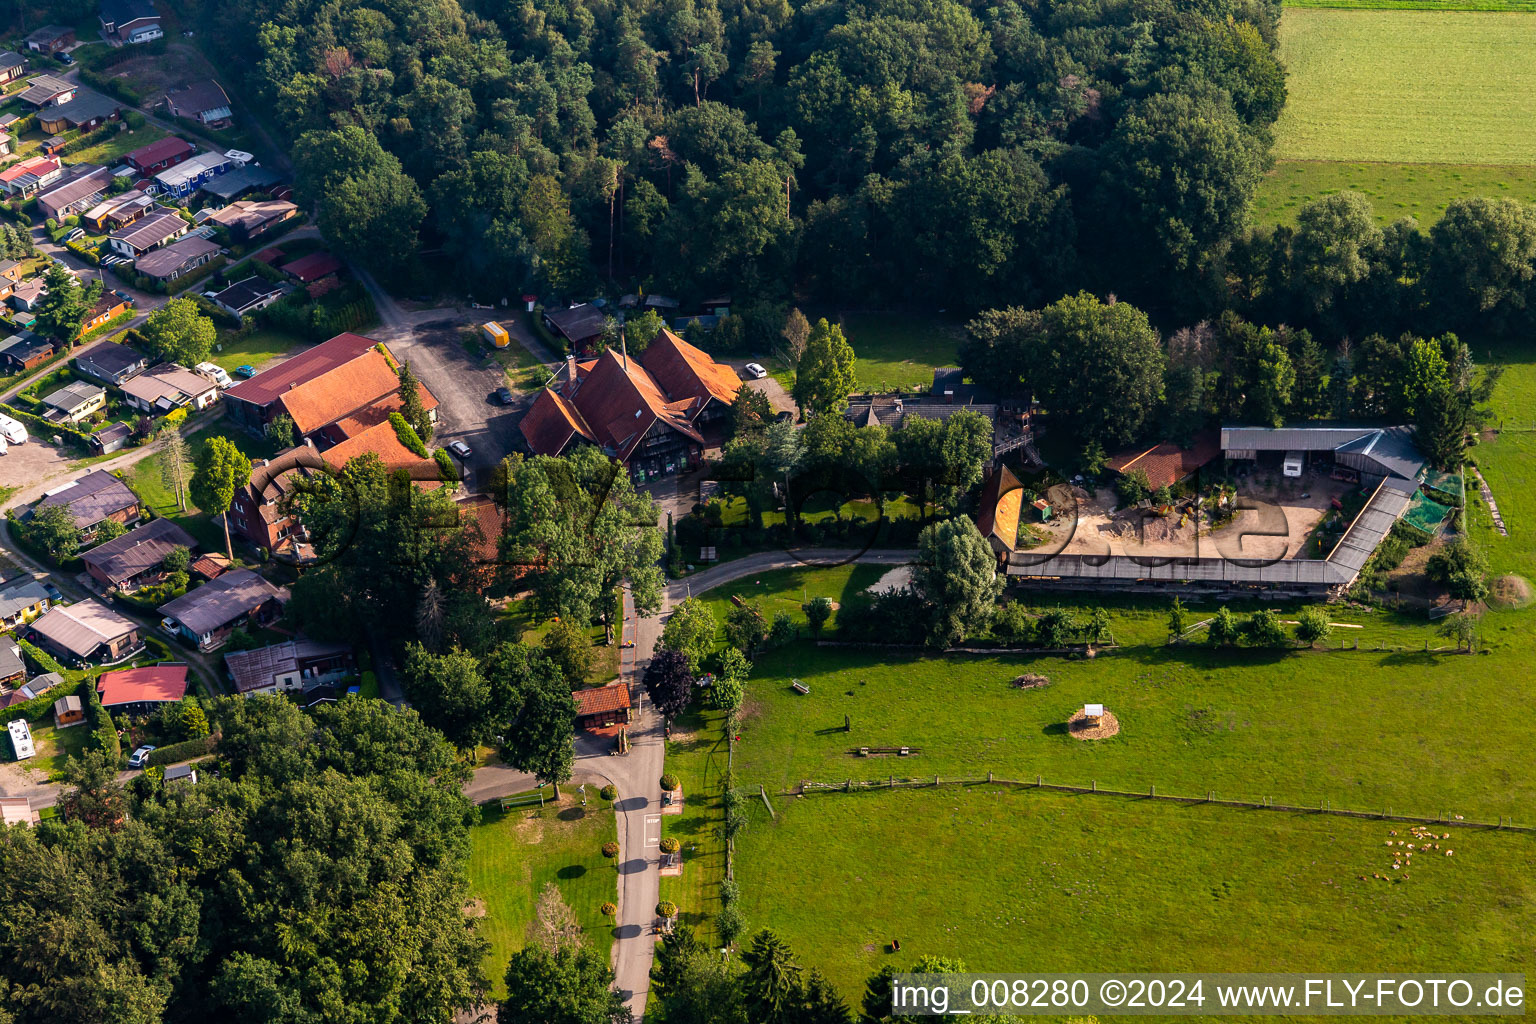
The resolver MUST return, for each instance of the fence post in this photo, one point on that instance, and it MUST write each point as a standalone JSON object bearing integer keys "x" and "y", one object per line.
{"x": 989, "y": 775}
{"x": 935, "y": 779}
{"x": 1154, "y": 790}
{"x": 1039, "y": 781}
{"x": 1095, "y": 785}
{"x": 848, "y": 786}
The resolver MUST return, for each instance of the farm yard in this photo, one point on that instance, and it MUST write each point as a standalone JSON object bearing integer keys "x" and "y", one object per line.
{"x": 1113, "y": 883}
{"x": 1393, "y": 100}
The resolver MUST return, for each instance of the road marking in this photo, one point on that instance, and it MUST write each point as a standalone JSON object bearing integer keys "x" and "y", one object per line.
{"x": 653, "y": 830}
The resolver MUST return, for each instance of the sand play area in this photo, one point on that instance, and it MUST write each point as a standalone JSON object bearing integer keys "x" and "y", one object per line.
{"x": 1273, "y": 522}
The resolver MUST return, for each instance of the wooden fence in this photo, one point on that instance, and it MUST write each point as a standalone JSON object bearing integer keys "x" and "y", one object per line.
{"x": 1151, "y": 793}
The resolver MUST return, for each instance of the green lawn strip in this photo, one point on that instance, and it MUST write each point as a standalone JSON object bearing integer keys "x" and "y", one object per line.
{"x": 1396, "y": 190}
{"x": 514, "y": 854}
{"x": 785, "y": 590}
{"x": 1509, "y": 466}
{"x": 1014, "y": 880}
{"x": 114, "y": 147}
{"x": 1363, "y": 730}
{"x": 1418, "y": 5}
{"x": 697, "y": 754}
{"x": 253, "y": 347}
{"x": 1408, "y": 86}
{"x": 899, "y": 350}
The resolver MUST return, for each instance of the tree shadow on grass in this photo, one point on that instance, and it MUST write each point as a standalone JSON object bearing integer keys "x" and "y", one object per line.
{"x": 571, "y": 871}
{"x": 1055, "y": 729}
{"x": 572, "y": 814}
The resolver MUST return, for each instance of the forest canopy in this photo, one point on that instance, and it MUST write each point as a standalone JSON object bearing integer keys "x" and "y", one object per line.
{"x": 1018, "y": 150}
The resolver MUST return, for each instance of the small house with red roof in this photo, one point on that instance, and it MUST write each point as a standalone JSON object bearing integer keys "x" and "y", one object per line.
{"x": 656, "y": 413}
{"x": 158, "y": 155}
{"x": 138, "y": 691}
{"x": 600, "y": 706}
{"x": 315, "y": 267}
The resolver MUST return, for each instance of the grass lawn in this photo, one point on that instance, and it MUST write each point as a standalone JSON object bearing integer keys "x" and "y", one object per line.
{"x": 1412, "y": 86}
{"x": 147, "y": 481}
{"x": 785, "y": 590}
{"x": 251, "y": 348}
{"x": 899, "y": 350}
{"x": 115, "y": 146}
{"x": 1010, "y": 880}
{"x": 697, "y": 754}
{"x": 1396, "y": 190}
{"x": 55, "y": 746}
{"x": 1420, "y": 5}
{"x": 514, "y": 854}
{"x": 1363, "y": 730}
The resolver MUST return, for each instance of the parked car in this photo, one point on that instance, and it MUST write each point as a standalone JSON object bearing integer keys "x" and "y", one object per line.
{"x": 245, "y": 370}
{"x": 755, "y": 371}
{"x": 66, "y": 58}
{"x": 140, "y": 758}
{"x": 75, "y": 235}
{"x": 461, "y": 449}
{"x": 505, "y": 396}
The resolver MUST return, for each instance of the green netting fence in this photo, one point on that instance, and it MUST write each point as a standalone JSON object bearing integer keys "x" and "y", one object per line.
{"x": 1448, "y": 484}
{"x": 1425, "y": 513}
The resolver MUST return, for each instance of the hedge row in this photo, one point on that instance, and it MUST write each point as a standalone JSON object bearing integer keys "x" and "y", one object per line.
{"x": 407, "y": 434}
{"x": 46, "y": 429}
{"x": 185, "y": 750}
{"x": 217, "y": 314}
{"x": 445, "y": 467}
{"x": 186, "y": 281}
{"x": 85, "y": 252}
{"x": 41, "y": 706}
{"x": 104, "y": 735}
{"x": 89, "y": 139}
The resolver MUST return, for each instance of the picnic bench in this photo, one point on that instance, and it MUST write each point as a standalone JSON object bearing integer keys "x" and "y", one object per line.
{"x": 799, "y": 687}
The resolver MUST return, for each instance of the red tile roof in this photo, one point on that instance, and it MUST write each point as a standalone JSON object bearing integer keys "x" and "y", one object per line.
{"x": 483, "y": 513}
{"x": 41, "y": 164}
{"x": 551, "y": 422}
{"x": 164, "y": 683}
{"x": 340, "y": 391}
{"x": 302, "y": 368}
{"x": 599, "y": 699}
{"x": 163, "y": 149}
{"x": 1166, "y": 463}
{"x": 312, "y": 267}
{"x": 380, "y": 439}
{"x": 372, "y": 414}
{"x": 684, "y": 371}
{"x": 617, "y": 400}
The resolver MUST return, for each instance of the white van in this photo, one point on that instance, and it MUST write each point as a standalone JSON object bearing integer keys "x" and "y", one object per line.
{"x": 13, "y": 430}
{"x": 214, "y": 373}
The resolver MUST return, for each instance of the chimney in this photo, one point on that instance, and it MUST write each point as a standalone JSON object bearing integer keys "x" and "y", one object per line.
{"x": 624, "y": 349}
{"x": 570, "y": 367}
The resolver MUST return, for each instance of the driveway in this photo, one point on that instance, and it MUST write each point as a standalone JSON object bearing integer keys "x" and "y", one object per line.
{"x": 778, "y": 398}
{"x": 430, "y": 340}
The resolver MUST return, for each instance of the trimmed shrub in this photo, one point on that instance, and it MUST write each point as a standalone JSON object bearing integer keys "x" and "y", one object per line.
{"x": 608, "y": 910}
{"x": 669, "y": 845}
{"x": 669, "y": 782}
{"x": 608, "y": 792}
{"x": 610, "y": 850}
{"x": 407, "y": 434}
{"x": 666, "y": 908}
{"x": 104, "y": 735}
{"x": 729, "y": 923}
{"x": 445, "y": 467}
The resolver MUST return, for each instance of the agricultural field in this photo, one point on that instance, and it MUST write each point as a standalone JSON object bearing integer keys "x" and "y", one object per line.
{"x": 1420, "y": 191}
{"x": 515, "y": 853}
{"x": 1010, "y": 879}
{"x": 1408, "y": 86}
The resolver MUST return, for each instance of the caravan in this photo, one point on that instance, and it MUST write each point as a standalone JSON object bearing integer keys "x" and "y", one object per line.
{"x": 21, "y": 739}
{"x": 12, "y": 430}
